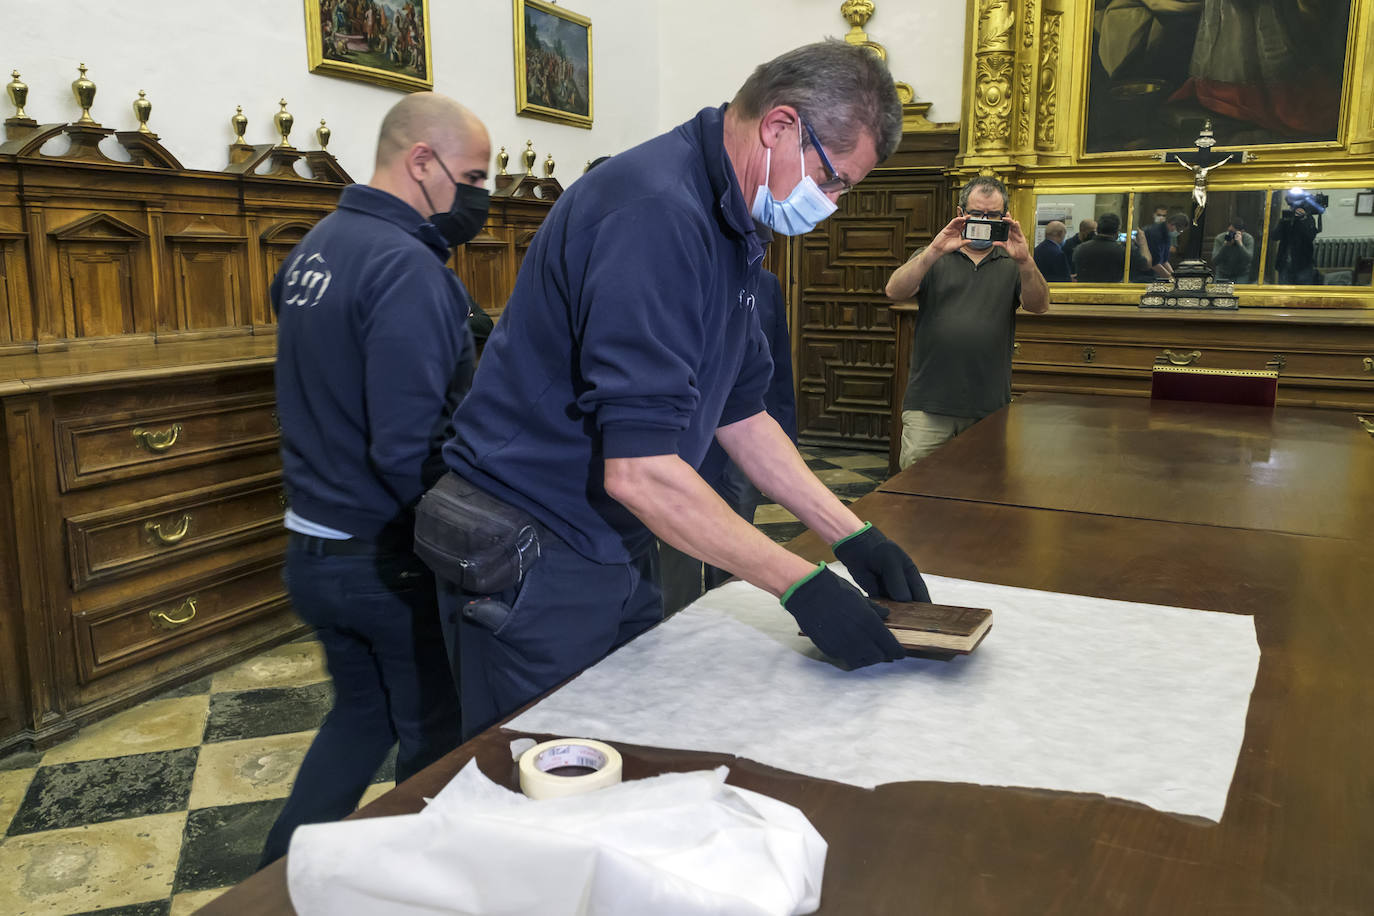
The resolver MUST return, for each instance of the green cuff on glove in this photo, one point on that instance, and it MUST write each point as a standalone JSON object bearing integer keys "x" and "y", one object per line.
{"x": 820, "y": 568}
{"x": 850, "y": 537}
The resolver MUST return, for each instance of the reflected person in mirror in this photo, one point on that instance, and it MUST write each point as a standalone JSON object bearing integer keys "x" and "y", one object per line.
{"x": 1233, "y": 251}
{"x": 1049, "y": 254}
{"x": 1086, "y": 229}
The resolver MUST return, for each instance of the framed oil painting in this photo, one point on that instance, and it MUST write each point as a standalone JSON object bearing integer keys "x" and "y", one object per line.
{"x": 377, "y": 41}
{"x": 553, "y": 63}
{"x": 1264, "y": 71}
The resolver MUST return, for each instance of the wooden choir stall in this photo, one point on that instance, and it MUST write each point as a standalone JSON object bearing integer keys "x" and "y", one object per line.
{"x": 142, "y": 540}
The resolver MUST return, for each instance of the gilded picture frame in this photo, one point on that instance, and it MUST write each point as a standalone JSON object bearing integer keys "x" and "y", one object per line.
{"x": 553, "y": 63}
{"x": 1152, "y": 79}
{"x": 384, "y": 42}
{"x": 1027, "y": 103}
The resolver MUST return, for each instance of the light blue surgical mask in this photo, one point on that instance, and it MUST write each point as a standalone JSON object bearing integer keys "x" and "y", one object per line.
{"x": 803, "y": 209}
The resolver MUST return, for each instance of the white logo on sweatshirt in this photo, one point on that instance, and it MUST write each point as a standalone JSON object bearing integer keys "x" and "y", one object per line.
{"x": 305, "y": 287}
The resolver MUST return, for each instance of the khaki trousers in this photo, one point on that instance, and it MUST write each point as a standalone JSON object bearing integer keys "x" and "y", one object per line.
{"x": 923, "y": 433}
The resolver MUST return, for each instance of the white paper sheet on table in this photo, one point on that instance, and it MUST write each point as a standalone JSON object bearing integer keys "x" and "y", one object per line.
{"x": 1133, "y": 701}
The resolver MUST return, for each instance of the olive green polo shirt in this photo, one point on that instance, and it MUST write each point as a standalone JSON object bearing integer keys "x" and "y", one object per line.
{"x": 961, "y": 352}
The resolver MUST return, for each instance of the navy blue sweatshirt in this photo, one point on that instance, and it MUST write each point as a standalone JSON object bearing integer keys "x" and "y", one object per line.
{"x": 372, "y": 353}
{"x": 780, "y": 400}
{"x": 631, "y": 332}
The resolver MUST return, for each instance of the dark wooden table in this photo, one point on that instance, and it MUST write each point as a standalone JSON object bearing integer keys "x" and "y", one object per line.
{"x": 1287, "y": 469}
{"x": 1297, "y": 835}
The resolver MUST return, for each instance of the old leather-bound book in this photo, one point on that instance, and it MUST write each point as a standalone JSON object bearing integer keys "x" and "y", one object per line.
{"x": 937, "y": 629}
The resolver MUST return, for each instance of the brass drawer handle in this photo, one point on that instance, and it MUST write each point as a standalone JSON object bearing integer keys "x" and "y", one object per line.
{"x": 157, "y": 441}
{"x": 1180, "y": 359}
{"x": 1277, "y": 363}
{"x": 1369, "y": 364}
{"x": 172, "y": 535}
{"x": 1367, "y": 423}
{"x": 163, "y": 621}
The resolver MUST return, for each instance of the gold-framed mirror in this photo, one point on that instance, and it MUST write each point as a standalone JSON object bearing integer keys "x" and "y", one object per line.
{"x": 1035, "y": 78}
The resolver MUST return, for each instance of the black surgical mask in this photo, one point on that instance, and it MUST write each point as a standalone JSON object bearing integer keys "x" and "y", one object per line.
{"x": 465, "y": 217}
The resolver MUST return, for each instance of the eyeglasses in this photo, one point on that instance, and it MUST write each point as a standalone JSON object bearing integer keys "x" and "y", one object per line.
{"x": 986, "y": 214}
{"x": 833, "y": 184}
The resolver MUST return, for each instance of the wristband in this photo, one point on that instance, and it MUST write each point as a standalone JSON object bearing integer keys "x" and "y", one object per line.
{"x": 820, "y": 568}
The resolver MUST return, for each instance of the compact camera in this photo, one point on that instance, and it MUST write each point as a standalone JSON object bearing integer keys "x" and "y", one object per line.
{"x": 986, "y": 230}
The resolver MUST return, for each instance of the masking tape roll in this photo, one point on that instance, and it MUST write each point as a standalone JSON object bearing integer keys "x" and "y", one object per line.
{"x": 539, "y": 765}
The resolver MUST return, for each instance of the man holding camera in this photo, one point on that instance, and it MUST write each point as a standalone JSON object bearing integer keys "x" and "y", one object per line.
{"x": 1233, "y": 252}
{"x": 968, "y": 282}
{"x": 1296, "y": 237}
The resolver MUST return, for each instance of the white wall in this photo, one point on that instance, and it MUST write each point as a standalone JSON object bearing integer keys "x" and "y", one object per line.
{"x": 1340, "y": 220}
{"x": 655, "y": 63}
{"x": 708, "y": 47}
{"x": 197, "y": 61}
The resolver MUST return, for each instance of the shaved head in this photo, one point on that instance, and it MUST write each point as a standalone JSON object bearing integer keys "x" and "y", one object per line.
{"x": 430, "y": 118}
{"x": 428, "y": 146}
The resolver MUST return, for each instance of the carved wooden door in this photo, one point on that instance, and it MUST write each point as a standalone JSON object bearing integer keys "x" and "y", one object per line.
{"x": 843, "y": 337}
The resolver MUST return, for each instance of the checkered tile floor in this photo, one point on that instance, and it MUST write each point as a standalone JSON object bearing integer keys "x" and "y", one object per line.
{"x": 157, "y": 810}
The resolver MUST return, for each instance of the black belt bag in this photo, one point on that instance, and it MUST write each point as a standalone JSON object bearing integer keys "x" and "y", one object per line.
{"x": 471, "y": 538}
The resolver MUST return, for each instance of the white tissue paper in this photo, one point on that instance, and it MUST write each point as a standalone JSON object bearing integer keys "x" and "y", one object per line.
{"x": 1133, "y": 701}
{"x": 682, "y": 844}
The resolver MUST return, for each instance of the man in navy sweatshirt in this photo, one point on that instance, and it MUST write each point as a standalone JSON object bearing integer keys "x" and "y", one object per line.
{"x": 630, "y": 343}
{"x": 373, "y": 353}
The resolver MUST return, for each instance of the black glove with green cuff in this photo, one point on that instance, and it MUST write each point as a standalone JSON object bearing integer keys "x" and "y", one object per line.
{"x": 840, "y": 620}
{"x": 879, "y": 566}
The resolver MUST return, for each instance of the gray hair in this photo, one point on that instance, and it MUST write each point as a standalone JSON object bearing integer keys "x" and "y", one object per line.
{"x": 986, "y": 184}
{"x": 841, "y": 90}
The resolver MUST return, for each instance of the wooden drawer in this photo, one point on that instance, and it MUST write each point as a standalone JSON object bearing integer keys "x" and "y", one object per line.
{"x": 113, "y": 543}
{"x": 1325, "y": 365}
{"x": 1137, "y": 356}
{"x": 112, "y": 638}
{"x": 128, "y": 444}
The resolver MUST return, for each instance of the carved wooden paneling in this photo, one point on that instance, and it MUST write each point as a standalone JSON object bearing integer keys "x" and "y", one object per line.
{"x": 489, "y": 263}
{"x": 16, "y": 311}
{"x": 487, "y": 266}
{"x": 98, "y": 298}
{"x": 842, "y": 321}
{"x": 206, "y": 283}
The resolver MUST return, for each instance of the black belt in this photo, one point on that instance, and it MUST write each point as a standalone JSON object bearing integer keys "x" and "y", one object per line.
{"x": 343, "y": 547}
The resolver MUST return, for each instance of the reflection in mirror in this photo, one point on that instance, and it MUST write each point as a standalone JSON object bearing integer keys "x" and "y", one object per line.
{"x": 1230, "y": 243}
{"x": 1094, "y": 249}
{"x": 1163, "y": 232}
{"x": 1321, "y": 237}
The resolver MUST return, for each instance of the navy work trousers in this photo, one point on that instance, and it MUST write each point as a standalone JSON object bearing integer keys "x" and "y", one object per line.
{"x": 377, "y": 618}
{"x": 567, "y": 614}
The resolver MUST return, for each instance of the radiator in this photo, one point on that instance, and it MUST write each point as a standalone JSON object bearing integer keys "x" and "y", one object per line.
{"x": 1342, "y": 252}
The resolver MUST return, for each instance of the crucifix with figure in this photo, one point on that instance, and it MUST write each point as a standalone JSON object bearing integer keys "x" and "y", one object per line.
{"x": 1201, "y": 162}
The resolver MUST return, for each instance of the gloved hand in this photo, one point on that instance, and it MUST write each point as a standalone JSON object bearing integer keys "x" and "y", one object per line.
{"x": 840, "y": 620}
{"x": 880, "y": 567}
